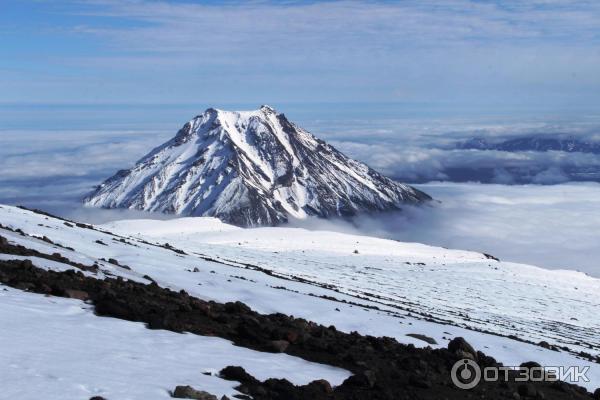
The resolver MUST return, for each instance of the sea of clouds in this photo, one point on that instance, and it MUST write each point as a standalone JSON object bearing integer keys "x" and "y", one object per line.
{"x": 548, "y": 225}
{"x": 425, "y": 150}
{"x": 554, "y": 226}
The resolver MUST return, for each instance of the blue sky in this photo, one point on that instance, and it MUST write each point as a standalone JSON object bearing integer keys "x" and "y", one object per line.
{"x": 462, "y": 56}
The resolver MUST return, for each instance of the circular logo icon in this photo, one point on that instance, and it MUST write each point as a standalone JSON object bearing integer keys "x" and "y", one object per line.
{"x": 466, "y": 374}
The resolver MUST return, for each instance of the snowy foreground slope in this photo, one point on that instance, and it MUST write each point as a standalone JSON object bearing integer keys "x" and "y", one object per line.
{"x": 465, "y": 288}
{"x": 251, "y": 168}
{"x": 58, "y": 347}
{"x": 390, "y": 289}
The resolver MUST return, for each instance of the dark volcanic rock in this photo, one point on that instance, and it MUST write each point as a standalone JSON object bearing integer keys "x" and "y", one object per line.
{"x": 530, "y": 364}
{"x": 188, "y": 392}
{"x": 77, "y": 294}
{"x": 17, "y": 249}
{"x": 461, "y": 348}
{"x": 383, "y": 368}
{"x": 236, "y": 373}
{"x": 527, "y": 390}
{"x": 280, "y": 346}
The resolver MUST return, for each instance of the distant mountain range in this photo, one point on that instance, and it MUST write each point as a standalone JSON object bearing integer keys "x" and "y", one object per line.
{"x": 553, "y": 169}
{"x": 532, "y": 143}
{"x": 251, "y": 168}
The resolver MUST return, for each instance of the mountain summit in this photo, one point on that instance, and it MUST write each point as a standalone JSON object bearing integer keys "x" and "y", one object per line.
{"x": 250, "y": 168}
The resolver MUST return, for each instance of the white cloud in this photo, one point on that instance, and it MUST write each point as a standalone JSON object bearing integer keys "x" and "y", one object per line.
{"x": 418, "y": 151}
{"x": 235, "y": 25}
{"x": 552, "y": 175}
{"x": 453, "y": 52}
{"x": 550, "y": 226}
{"x": 422, "y": 164}
{"x": 49, "y": 154}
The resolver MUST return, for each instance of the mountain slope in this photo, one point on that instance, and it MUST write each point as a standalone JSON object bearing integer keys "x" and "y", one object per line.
{"x": 250, "y": 168}
{"x": 388, "y": 289}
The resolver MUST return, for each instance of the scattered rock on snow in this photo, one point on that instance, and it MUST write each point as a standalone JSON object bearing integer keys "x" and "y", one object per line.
{"x": 236, "y": 373}
{"x": 547, "y": 345}
{"x": 491, "y": 257}
{"x": 382, "y": 367}
{"x": 530, "y": 364}
{"x": 188, "y": 392}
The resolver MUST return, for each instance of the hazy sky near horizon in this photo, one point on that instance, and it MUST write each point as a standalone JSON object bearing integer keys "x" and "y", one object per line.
{"x": 458, "y": 55}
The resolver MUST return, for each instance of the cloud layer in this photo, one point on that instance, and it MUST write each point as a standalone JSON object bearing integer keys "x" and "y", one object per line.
{"x": 422, "y": 151}
{"x": 549, "y": 226}
{"x": 54, "y": 169}
{"x": 553, "y": 226}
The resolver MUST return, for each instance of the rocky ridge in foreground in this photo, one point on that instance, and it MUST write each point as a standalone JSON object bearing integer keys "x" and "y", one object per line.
{"x": 382, "y": 367}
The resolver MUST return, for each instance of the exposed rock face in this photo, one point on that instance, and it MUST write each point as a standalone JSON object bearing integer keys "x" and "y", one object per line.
{"x": 250, "y": 168}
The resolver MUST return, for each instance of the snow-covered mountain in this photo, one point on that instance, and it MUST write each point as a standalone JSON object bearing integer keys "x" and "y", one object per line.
{"x": 250, "y": 168}
{"x": 416, "y": 294}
